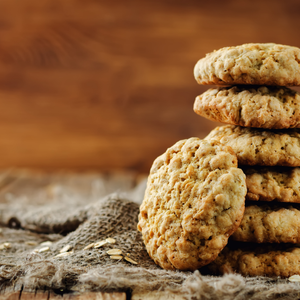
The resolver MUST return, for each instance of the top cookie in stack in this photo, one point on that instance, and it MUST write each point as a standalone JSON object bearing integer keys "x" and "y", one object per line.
{"x": 260, "y": 64}
{"x": 264, "y": 115}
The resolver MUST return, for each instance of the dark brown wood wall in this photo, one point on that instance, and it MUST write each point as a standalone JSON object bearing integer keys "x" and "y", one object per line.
{"x": 109, "y": 84}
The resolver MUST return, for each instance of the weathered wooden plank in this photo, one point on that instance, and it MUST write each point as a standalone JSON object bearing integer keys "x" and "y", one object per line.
{"x": 95, "y": 296}
{"x": 96, "y": 84}
{"x": 156, "y": 296}
{"x": 47, "y": 295}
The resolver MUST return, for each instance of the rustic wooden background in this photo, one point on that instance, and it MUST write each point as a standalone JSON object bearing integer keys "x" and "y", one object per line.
{"x": 109, "y": 84}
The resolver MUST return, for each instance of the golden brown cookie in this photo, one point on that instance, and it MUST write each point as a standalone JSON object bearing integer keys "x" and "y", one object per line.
{"x": 280, "y": 184}
{"x": 269, "y": 224}
{"x": 261, "y": 64}
{"x": 263, "y": 147}
{"x": 194, "y": 201}
{"x": 251, "y": 106}
{"x": 251, "y": 260}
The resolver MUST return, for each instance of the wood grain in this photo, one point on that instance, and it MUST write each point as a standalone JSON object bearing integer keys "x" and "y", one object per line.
{"x": 162, "y": 295}
{"x": 109, "y": 85}
{"x": 18, "y": 292}
{"x": 47, "y": 295}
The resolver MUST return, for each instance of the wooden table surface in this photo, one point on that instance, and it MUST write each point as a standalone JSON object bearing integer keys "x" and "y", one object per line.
{"x": 47, "y": 295}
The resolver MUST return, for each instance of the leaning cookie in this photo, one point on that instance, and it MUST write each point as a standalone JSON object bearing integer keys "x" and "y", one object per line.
{"x": 261, "y": 64}
{"x": 269, "y": 224}
{"x": 255, "y": 146}
{"x": 280, "y": 184}
{"x": 251, "y": 106}
{"x": 194, "y": 201}
{"x": 250, "y": 260}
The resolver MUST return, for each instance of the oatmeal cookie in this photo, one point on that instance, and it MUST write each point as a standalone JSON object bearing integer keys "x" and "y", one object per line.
{"x": 261, "y": 64}
{"x": 194, "y": 201}
{"x": 251, "y": 260}
{"x": 251, "y": 106}
{"x": 281, "y": 184}
{"x": 255, "y": 146}
{"x": 269, "y": 224}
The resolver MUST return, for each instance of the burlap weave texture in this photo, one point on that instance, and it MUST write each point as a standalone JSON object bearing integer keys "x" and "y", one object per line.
{"x": 96, "y": 218}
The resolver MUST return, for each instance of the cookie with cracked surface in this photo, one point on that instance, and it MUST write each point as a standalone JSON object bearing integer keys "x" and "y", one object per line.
{"x": 251, "y": 260}
{"x": 194, "y": 200}
{"x": 281, "y": 184}
{"x": 260, "y": 64}
{"x": 269, "y": 224}
{"x": 261, "y": 147}
{"x": 251, "y": 106}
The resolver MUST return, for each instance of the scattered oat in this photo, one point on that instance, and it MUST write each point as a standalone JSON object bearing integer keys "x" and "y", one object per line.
{"x": 31, "y": 243}
{"x": 65, "y": 249}
{"x": 110, "y": 240}
{"x": 64, "y": 254}
{"x": 5, "y": 246}
{"x": 130, "y": 260}
{"x": 294, "y": 278}
{"x": 100, "y": 244}
{"x": 45, "y": 244}
{"x": 114, "y": 252}
{"x": 44, "y": 249}
{"x": 116, "y": 257}
{"x": 35, "y": 251}
{"x": 89, "y": 246}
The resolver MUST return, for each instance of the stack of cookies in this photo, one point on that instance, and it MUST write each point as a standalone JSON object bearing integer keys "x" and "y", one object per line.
{"x": 228, "y": 203}
{"x": 263, "y": 114}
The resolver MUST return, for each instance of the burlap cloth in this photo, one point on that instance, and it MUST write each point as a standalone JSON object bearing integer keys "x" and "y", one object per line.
{"x": 80, "y": 209}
